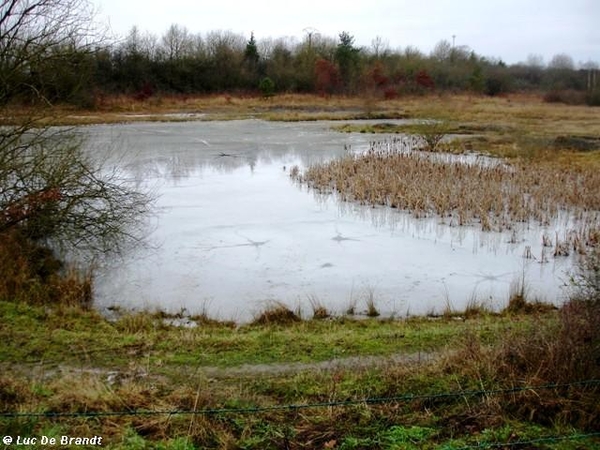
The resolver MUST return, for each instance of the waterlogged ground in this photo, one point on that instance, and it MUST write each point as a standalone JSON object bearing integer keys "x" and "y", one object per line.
{"x": 233, "y": 232}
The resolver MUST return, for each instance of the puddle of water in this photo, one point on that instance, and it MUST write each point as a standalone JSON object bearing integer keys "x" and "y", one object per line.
{"x": 234, "y": 232}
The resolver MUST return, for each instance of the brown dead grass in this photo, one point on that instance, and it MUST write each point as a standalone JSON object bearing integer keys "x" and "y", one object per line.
{"x": 511, "y": 114}
{"x": 495, "y": 195}
{"x": 31, "y": 273}
{"x": 276, "y": 314}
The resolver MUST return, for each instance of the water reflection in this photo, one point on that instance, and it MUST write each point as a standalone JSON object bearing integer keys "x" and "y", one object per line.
{"x": 235, "y": 231}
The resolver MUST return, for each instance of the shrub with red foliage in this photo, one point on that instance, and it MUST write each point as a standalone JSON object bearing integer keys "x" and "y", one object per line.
{"x": 376, "y": 76}
{"x": 328, "y": 79}
{"x": 423, "y": 79}
{"x": 390, "y": 93}
{"x": 29, "y": 205}
{"x": 145, "y": 92}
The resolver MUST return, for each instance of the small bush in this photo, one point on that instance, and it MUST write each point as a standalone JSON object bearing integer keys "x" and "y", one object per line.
{"x": 390, "y": 93}
{"x": 144, "y": 93}
{"x": 566, "y": 96}
{"x": 432, "y": 133}
{"x": 496, "y": 85}
{"x": 267, "y": 87}
{"x": 424, "y": 80}
{"x": 563, "y": 350}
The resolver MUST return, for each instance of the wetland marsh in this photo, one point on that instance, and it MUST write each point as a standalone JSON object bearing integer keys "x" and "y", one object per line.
{"x": 239, "y": 222}
{"x": 234, "y": 232}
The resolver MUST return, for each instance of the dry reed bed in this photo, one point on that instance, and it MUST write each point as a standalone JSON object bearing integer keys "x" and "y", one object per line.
{"x": 463, "y": 191}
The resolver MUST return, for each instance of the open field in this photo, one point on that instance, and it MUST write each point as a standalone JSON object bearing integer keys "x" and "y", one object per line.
{"x": 507, "y": 113}
{"x": 512, "y": 125}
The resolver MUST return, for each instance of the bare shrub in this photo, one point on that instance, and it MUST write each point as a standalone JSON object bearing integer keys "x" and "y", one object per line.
{"x": 56, "y": 200}
{"x": 56, "y": 194}
{"x": 432, "y": 133}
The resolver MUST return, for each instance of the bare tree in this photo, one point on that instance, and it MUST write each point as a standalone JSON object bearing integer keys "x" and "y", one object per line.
{"x": 442, "y": 50}
{"x": 380, "y": 47}
{"x": 54, "y": 193}
{"x": 51, "y": 191}
{"x": 138, "y": 43}
{"x": 589, "y": 65}
{"x": 221, "y": 43}
{"x": 34, "y": 31}
{"x": 412, "y": 53}
{"x": 535, "y": 61}
{"x": 177, "y": 43}
{"x": 562, "y": 61}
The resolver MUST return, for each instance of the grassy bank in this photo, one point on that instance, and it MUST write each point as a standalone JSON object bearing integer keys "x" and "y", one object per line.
{"x": 446, "y": 382}
{"x": 39, "y": 333}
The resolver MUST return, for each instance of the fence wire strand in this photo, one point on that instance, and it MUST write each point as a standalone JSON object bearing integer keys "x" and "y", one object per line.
{"x": 299, "y": 406}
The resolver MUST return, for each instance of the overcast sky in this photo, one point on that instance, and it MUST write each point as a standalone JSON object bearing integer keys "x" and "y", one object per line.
{"x": 506, "y": 29}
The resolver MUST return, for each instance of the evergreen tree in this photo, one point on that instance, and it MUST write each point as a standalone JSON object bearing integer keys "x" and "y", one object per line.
{"x": 347, "y": 57}
{"x": 251, "y": 55}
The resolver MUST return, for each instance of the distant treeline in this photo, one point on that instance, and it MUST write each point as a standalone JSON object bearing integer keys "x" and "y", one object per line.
{"x": 143, "y": 65}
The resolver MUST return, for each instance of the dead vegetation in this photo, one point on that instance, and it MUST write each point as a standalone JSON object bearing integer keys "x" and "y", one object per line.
{"x": 465, "y": 190}
{"x": 33, "y": 274}
{"x": 276, "y": 313}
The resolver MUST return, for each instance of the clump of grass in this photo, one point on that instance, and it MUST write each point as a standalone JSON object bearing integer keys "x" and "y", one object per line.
{"x": 74, "y": 288}
{"x": 371, "y": 303}
{"x": 203, "y": 317}
{"x": 294, "y": 171}
{"x": 140, "y": 322}
{"x": 517, "y": 297}
{"x": 319, "y": 310}
{"x": 475, "y": 308}
{"x": 519, "y": 302}
{"x": 276, "y": 314}
{"x": 13, "y": 392}
{"x": 351, "y": 308}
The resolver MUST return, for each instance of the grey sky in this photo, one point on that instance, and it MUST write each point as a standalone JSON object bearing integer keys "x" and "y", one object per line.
{"x": 507, "y": 29}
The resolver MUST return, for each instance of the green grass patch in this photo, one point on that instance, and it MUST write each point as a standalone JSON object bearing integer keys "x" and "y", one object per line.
{"x": 34, "y": 333}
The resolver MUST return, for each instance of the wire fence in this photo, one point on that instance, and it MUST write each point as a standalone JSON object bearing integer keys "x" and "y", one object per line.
{"x": 341, "y": 403}
{"x": 404, "y": 398}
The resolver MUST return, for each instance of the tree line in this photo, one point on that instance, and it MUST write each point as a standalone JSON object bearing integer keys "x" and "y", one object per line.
{"x": 181, "y": 62}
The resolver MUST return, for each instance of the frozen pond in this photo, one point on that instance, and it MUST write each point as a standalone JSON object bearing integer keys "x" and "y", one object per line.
{"x": 234, "y": 232}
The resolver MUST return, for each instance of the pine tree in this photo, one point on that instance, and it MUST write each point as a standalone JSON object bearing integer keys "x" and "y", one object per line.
{"x": 251, "y": 55}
